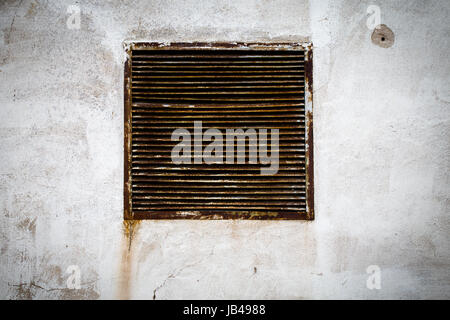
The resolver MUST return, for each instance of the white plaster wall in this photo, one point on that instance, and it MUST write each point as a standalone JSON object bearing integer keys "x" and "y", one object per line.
{"x": 382, "y": 156}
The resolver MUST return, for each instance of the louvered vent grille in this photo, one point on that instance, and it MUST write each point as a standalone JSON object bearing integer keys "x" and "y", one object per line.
{"x": 169, "y": 88}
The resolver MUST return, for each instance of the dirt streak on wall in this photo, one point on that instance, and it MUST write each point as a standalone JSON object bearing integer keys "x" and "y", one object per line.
{"x": 130, "y": 228}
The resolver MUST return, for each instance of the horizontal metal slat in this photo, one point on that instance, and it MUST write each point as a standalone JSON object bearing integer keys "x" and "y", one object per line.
{"x": 201, "y": 56}
{"x": 216, "y": 106}
{"x": 286, "y": 62}
{"x": 197, "y": 191}
{"x": 211, "y": 68}
{"x": 221, "y": 207}
{"x": 222, "y": 92}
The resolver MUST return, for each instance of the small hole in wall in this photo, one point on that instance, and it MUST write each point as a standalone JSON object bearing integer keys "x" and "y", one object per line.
{"x": 382, "y": 36}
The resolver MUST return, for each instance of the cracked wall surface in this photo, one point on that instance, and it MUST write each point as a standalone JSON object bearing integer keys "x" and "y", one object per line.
{"x": 382, "y": 156}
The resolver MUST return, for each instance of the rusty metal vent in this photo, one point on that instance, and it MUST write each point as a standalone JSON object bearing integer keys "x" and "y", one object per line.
{"x": 224, "y": 86}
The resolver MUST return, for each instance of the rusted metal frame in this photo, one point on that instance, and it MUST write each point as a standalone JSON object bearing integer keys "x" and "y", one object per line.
{"x": 214, "y": 45}
{"x": 127, "y": 203}
{"x": 128, "y": 213}
{"x": 309, "y": 132}
{"x": 230, "y": 215}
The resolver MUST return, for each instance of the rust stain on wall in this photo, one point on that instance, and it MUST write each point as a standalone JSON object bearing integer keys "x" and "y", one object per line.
{"x": 130, "y": 228}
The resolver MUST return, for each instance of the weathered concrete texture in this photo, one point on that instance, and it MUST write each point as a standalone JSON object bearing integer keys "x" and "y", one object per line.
{"x": 382, "y": 156}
